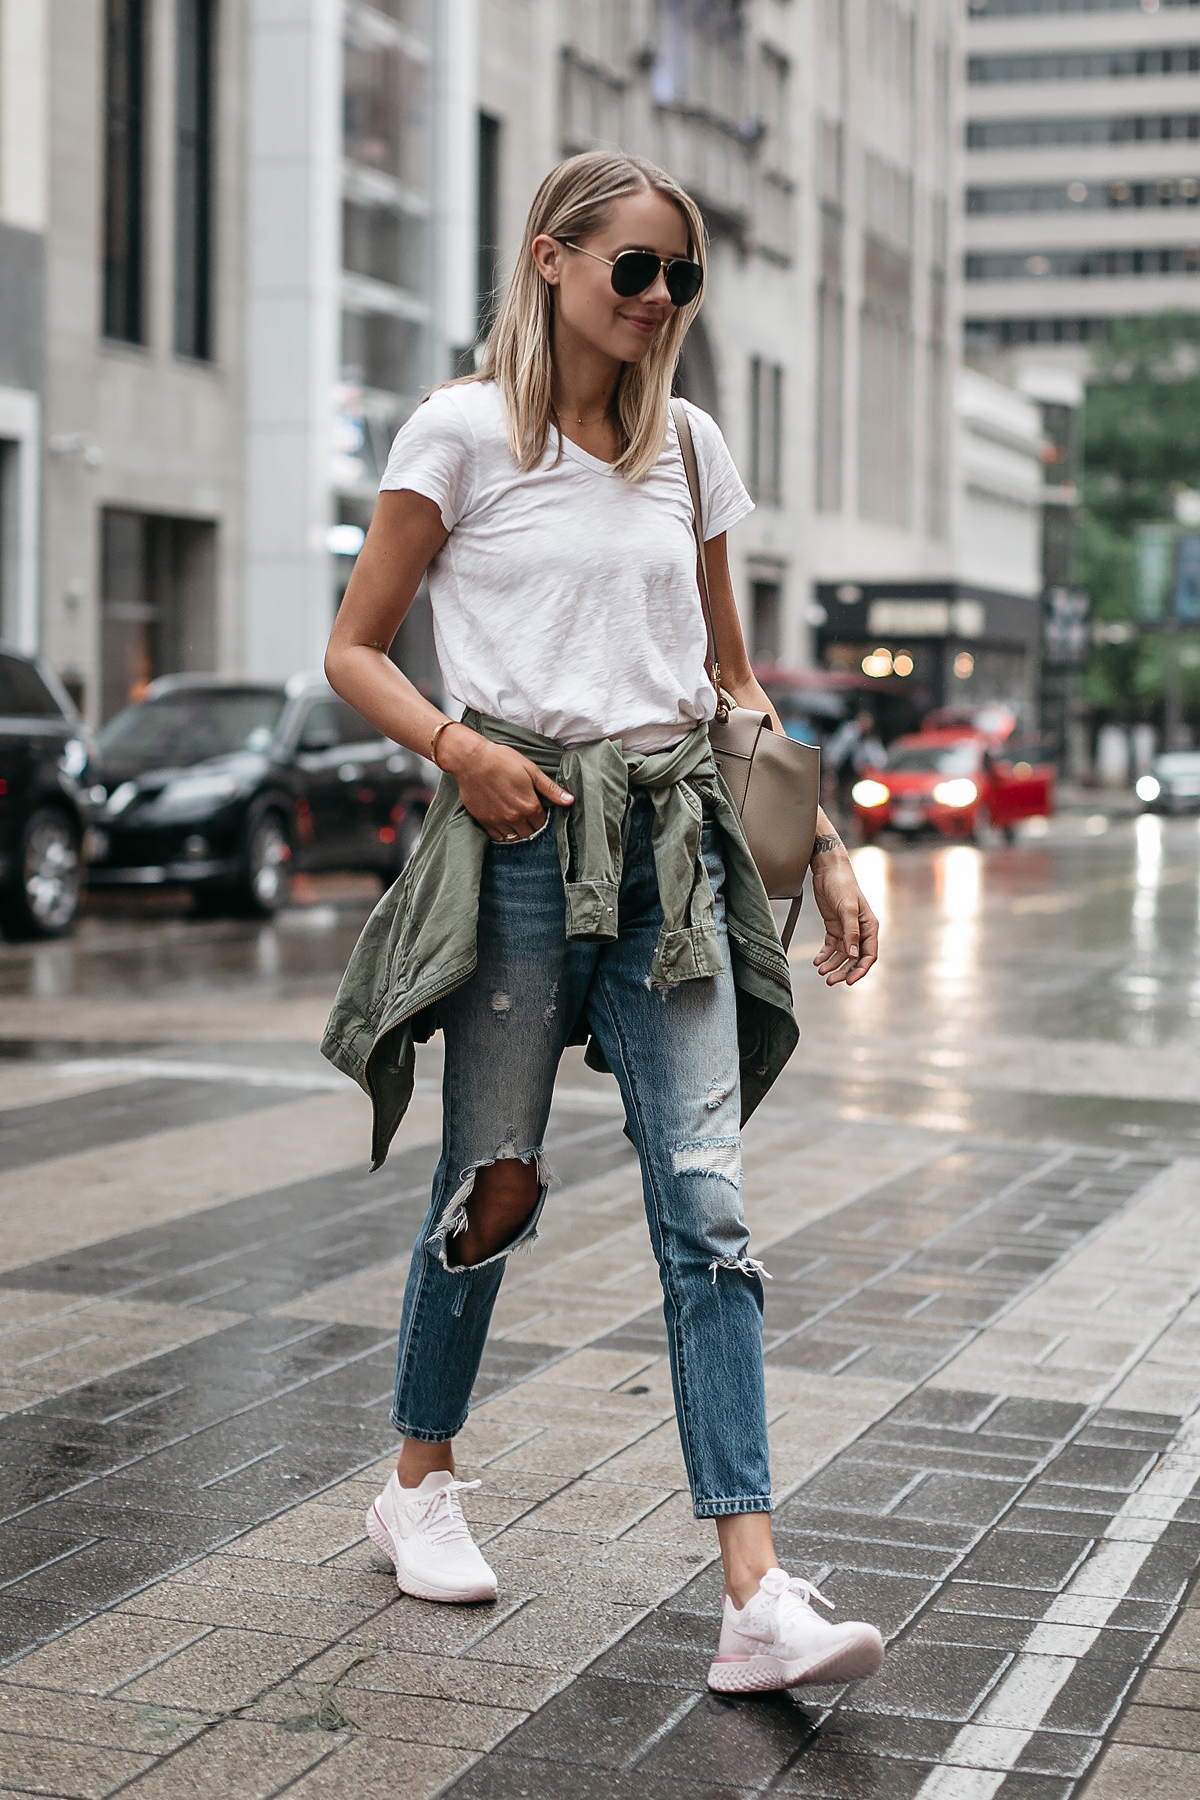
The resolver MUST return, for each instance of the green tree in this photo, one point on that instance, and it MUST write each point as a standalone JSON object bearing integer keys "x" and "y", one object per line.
{"x": 1141, "y": 442}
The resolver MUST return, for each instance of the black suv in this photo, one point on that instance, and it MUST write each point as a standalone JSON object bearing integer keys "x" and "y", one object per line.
{"x": 43, "y": 811}
{"x": 230, "y": 786}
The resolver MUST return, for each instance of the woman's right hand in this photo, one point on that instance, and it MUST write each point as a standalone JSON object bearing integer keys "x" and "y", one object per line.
{"x": 501, "y": 789}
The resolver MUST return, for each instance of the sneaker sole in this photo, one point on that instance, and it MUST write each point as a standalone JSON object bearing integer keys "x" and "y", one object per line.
{"x": 382, "y": 1539}
{"x": 856, "y": 1660}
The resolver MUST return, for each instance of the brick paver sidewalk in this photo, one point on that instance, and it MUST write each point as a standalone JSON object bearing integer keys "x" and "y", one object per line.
{"x": 981, "y": 1341}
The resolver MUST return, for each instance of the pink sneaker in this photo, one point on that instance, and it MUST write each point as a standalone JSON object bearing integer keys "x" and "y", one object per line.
{"x": 777, "y": 1641}
{"x": 423, "y": 1533}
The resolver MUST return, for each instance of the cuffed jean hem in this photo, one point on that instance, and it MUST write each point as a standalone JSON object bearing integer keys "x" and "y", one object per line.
{"x": 724, "y": 1509}
{"x": 426, "y": 1437}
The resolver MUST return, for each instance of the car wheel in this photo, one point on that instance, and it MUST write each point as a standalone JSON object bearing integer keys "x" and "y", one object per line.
{"x": 43, "y": 897}
{"x": 265, "y": 881}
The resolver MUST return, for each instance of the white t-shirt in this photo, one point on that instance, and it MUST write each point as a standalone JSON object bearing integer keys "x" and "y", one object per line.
{"x": 565, "y": 598}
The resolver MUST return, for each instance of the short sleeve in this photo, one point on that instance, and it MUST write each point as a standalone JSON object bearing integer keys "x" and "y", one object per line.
{"x": 724, "y": 499}
{"x": 433, "y": 454}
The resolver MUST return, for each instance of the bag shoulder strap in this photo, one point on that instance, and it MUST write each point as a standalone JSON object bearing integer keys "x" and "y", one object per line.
{"x": 683, "y": 430}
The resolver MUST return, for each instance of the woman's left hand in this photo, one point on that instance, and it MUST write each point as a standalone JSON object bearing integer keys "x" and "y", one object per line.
{"x": 851, "y": 946}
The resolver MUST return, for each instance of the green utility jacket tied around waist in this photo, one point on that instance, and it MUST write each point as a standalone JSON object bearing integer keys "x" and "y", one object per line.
{"x": 419, "y": 943}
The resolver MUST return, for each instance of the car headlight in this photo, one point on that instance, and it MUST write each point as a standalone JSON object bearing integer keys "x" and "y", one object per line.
{"x": 73, "y": 760}
{"x": 869, "y": 793}
{"x": 192, "y": 795}
{"x": 959, "y": 792}
{"x": 1147, "y": 788}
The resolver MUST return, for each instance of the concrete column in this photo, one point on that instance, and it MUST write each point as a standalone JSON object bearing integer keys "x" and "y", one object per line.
{"x": 20, "y": 425}
{"x": 293, "y": 275}
{"x": 457, "y": 162}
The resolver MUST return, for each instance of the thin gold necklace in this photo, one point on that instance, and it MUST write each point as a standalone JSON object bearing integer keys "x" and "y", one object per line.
{"x": 599, "y": 419}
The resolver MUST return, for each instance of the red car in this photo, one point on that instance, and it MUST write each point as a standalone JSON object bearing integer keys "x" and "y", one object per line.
{"x": 953, "y": 782}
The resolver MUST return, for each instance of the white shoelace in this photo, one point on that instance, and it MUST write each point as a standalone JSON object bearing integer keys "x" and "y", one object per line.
{"x": 778, "y": 1585}
{"x": 443, "y": 1520}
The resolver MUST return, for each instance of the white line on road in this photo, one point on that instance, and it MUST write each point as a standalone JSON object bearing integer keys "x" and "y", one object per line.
{"x": 982, "y": 1755}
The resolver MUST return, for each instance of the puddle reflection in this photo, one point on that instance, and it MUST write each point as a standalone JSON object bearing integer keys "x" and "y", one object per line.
{"x": 958, "y": 886}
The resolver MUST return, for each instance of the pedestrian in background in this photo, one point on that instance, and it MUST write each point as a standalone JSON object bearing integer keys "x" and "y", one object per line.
{"x": 853, "y": 748}
{"x": 582, "y": 873}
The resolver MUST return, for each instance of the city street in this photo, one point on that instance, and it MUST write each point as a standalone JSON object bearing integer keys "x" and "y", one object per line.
{"x": 976, "y": 1192}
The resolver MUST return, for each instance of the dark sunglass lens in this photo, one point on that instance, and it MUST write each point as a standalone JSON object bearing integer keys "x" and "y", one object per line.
{"x": 683, "y": 281}
{"x": 633, "y": 272}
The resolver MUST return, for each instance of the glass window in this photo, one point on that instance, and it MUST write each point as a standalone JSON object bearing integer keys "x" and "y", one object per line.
{"x": 1066, "y": 196}
{"x": 1007, "y": 134}
{"x": 487, "y": 250}
{"x": 382, "y": 351}
{"x": 985, "y": 9}
{"x": 766, "y": 431}
{"x": 387, "y": 124}
{"x": 935, "y": 759}
{"x": 1086, "y": 65}
{"x": 333, "y": 723}
{"x": 194, "y": 104}
{"x": 1010, "y": 265}
{"x": 124, "y": 176}
{"x": 23, "y": 693}
{"x": 766, "y": 607}
{"x": 193, "y": 724}
{"x": 384, "y": 243}
{"x": 157, "y": 601}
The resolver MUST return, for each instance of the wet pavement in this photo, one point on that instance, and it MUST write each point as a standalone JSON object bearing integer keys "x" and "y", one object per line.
{"x": 976, "y": 1191}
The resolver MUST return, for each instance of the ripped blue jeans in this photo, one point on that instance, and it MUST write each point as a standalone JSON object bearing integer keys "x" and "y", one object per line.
{"x": 675, "y": 1056}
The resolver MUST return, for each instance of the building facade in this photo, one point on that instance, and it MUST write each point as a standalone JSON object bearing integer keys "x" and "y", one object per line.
{"x": 360, "y": 284}
{"x": 143, "y": 347}
{"x": 1082, "y": 168}
{"x": 818, "y": 140}
{"x": 268, "y": 226}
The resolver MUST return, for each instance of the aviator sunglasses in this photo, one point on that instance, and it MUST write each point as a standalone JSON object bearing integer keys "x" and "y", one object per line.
{"x": 634, "y": 270}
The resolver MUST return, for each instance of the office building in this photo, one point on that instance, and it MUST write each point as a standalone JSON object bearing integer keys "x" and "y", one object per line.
{"x": 819, "y": 142}
{"x": 358, "y": 223}
{"x": 138, "y": 136}
{"x": 1082, "y": 168}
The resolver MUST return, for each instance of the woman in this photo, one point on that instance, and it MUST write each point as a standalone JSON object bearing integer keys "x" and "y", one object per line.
{"x": 582, "y": 873}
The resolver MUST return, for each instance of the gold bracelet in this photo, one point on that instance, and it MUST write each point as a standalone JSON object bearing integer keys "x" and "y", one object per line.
{"x": 433, "y": 742}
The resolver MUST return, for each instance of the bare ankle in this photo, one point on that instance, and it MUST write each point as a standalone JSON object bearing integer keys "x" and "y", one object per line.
{"x": 418, "y": 1459}
{"x": 743, "y": 1586}
{"x": 747, "y": 1553}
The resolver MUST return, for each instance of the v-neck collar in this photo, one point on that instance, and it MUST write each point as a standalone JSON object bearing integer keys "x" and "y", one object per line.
{"x": 578, "y": 454}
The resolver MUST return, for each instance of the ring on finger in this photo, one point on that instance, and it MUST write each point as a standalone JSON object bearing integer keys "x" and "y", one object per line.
{"x": 511, "y": 837}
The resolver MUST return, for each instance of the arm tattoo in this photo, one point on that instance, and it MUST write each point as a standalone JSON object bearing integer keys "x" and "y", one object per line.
{"x": 830, "y": 842}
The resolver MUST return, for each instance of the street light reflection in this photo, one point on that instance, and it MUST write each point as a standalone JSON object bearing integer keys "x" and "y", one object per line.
{"x": 958, "y": 874}
{"x": 871, "y": 867}
{"x": 1148, "y": 874}
{"x": 1149, "y": 850}
{"x": 958, "y": 884}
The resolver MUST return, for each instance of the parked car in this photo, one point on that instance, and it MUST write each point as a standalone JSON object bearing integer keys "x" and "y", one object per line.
{"x": 1173, "y": 784}
{"x": 43, "y": 809}
{"x": 952, "y": 783}
{"x": 229, "y": 787}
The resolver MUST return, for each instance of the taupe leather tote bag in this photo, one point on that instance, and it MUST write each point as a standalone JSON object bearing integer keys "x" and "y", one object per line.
{"x": 775, "y": 782}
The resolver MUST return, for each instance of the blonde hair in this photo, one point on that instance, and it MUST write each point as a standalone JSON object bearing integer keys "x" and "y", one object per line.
{"x": 572, "y": 202}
